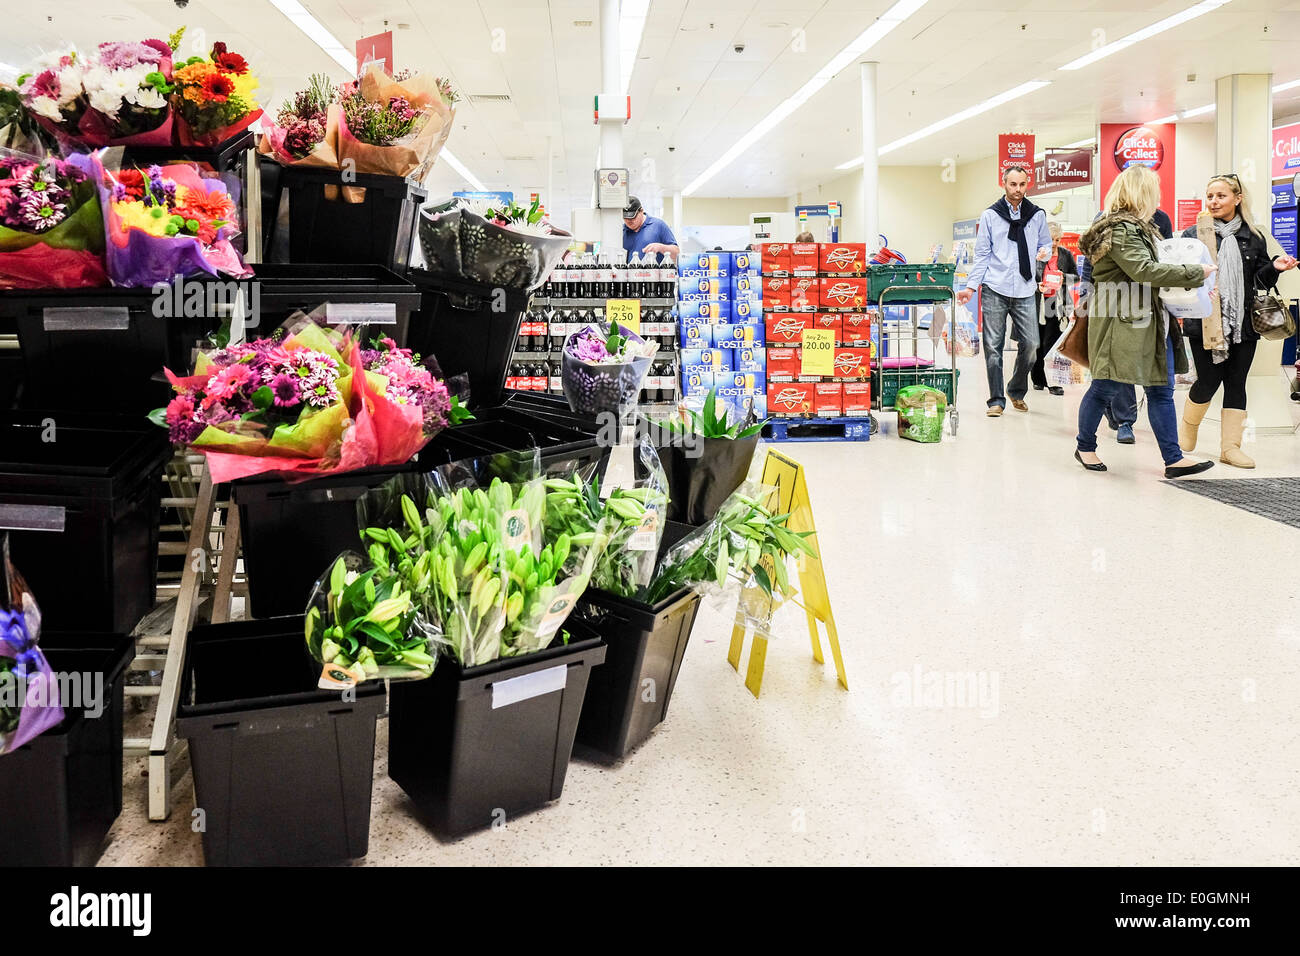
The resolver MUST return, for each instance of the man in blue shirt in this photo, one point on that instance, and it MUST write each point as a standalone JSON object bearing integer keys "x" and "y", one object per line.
{"x": 643, "y": 234}
{"x": 1003, "y": 273}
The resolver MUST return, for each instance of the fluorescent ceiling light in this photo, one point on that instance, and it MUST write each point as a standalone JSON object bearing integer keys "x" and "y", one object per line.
{"x": 7, "y": 68}
{"x": 1168, "y": 23}
{"x": 992, "y": 103}
{"x": 1081, "y": 143}
{"x": 1199, "y": 111}
{"x": 1286, "y": 86}
{"x": 318, "y": 34}
{"x": 631, "y": 22}
{"x": 1171, "y": 118}
{"x": 868, "y": 38}
{"x": 850, "y": 164}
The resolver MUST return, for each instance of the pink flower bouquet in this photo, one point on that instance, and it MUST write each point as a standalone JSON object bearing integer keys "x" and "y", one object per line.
{"x": 51, "y": 228}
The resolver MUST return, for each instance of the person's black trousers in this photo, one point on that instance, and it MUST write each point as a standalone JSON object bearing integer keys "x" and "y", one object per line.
{"x": 1048, "y": 333}
{"x": 1231, "y": 373}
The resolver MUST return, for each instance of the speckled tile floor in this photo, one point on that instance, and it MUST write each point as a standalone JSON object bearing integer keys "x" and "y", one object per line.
{"x": 1133, "y": 653}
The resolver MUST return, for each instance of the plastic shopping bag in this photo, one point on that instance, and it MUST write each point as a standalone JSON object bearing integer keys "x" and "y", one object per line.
{"x": 1186, "y": 303}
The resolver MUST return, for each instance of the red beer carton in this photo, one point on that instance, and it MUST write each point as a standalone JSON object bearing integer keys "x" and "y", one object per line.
{"x": 853, "y": 363}
{"x": 786, "y": 328}
{"x": 857, "y": 399}
{"x": 773, "y": 258}
{"x": 783, "y": 364}
{"x": 804, "y": 258}
{"x": 842, "y": 258}
{"x": 830, "y": 322}
{"x": 828, "y": 400}
{"x": 776, "y": 294}
{"x": 855, "y": 328}
{"x": 790, "y": 399}
{"x": 804, "y": 294}
{"x": 843, "y": 292}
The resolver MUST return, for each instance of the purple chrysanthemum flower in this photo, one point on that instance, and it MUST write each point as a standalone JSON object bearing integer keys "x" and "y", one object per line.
{"x": 40, "y": 214}
{"x": 285, "y": 389}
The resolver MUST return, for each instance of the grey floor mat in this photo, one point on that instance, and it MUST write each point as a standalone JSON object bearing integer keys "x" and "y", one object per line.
{"x": 1275, "y": 498}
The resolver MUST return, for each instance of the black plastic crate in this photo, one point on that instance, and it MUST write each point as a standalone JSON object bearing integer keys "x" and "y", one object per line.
{"x": 282, "y": 770}
{"x": 106, "y": 348}
{"x": 646, "y": 643}
{"x": 379, "y": 229}
{"x": 60, "y": 792}
{"x": 471, "y": 744}
{"x": 372, "y": 300}
{"x": 83, "y": 510}
{"x": 469, "y": 327}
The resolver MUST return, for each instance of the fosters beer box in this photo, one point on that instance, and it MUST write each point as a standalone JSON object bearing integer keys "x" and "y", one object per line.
{"x": 733, "y": 335}
{"x": 706, "y": 360}
{"x": 710, "y": 310}
{"x": 739, "y": 390}
{"x": 695, "y": 333}
{"x": 723, "y": 265}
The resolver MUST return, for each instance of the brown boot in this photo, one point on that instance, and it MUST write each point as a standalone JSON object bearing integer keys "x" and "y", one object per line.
{"x": 1193, "y": 413}
{"x": 1234, "y": 423}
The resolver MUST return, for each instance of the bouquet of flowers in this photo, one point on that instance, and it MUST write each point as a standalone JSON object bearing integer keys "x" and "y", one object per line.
{"x": 165, "y": 221}
{"x": 305, "y": 132}
{"x": 303, "y": 403}
{"x": 29, "y": 703}
{"x": 602, "y": 369}
{"x": 394, "y": 126}
{"x": 213, "y": 97}
{"x": 511, "y": 247}
{"x": 51, "y": 228}
{"x": 116, "y": 95}
{"x": 19, "y": 130}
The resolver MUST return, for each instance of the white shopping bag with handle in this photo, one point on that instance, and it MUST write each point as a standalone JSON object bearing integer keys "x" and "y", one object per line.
{"x": 1186, "y": 303}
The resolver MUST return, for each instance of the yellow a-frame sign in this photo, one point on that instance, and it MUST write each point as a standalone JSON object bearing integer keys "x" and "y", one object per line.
{"x": 787, "y": 477}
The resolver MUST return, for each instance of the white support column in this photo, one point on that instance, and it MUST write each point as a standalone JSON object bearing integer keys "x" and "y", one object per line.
{"x": 678, "y": 225}
{"x": 870, "y": 162}
{"x": 548, "y": 200}
{"x": 1243, "y": 123}
{"x": 611, "y": 133}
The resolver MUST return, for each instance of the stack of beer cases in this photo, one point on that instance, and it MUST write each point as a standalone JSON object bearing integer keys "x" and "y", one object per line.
{"x": 720, "y": 320}
{"x": 809, "y": 285}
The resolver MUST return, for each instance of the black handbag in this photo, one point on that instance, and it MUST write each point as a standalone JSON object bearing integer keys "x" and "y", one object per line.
{"x": 1270, "y": 317}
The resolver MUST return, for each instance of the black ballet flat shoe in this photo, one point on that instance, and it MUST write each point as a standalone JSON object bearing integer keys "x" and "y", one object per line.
{"x": 1055, "y": 390}
{"x": 1172, "y": 472}
{"x": 1100, "y": 466}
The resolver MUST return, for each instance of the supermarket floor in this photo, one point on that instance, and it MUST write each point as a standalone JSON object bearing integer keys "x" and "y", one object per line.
{"x": 1132, "y": 651}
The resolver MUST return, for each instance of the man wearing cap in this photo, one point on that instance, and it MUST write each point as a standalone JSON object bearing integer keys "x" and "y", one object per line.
{"x": 642, "y": 233}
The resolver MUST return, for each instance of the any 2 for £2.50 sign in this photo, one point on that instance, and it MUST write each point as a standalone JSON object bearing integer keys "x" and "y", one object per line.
{"x": 626, "y": 312}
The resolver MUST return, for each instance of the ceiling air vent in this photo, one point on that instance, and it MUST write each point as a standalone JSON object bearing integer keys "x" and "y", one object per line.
{"x": 480, "y": 98}
{"x": 584, "y": 23}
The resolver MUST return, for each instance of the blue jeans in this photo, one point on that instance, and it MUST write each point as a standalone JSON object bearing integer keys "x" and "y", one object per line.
{"x": 995, "y": 307}
{"x": 1160, "y": 411}
{"x": 1124, "y": 405}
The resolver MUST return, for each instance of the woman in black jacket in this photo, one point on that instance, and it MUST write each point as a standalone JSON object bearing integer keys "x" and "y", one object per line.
{"x": 1244, "y": 266}
{"x": 1050, "y": 311}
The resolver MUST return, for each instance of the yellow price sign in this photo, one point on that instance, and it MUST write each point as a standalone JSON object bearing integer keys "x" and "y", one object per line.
{"x": 626, "y": 312}
{"x": 818, "y": 352}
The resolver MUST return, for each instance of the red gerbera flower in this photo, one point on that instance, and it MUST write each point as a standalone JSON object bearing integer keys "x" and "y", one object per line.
{"x": 218, "y": 87}
{"x": 232, "y": 63}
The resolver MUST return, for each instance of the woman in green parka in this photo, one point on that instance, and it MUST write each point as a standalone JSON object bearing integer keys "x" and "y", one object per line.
{"x": 1131, "y": 339}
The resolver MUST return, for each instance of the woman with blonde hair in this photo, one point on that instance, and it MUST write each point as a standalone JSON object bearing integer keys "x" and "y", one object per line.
{"x": 1131, "y": 339}
{"x": 1244, "y": 267}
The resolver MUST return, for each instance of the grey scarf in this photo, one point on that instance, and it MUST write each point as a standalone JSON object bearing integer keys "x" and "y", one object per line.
{"x": 1232, "y": 283}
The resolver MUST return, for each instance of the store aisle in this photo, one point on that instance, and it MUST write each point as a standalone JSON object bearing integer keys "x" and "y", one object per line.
{"x": 1131, "y": 652}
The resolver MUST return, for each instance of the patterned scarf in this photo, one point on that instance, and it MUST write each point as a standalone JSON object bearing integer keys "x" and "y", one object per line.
{"x": 1232, "y": 283}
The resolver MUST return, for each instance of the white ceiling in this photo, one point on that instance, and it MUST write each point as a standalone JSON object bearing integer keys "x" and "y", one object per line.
{"x": 691, "y": 92}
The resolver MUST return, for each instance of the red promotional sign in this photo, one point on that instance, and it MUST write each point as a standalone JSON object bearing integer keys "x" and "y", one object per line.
{"x": 1016, "y": 149}
{"x": 1062, "y": 169}
{"x": 1286, "y": 151}
{"x": 1129, "y": 144}
{"x": 1187, "y": 212}
{"x": 378, "y": 50}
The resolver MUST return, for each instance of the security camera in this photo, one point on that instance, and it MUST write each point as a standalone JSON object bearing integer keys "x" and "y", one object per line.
{"x": 181, "y": 3}
{"x": 672, "y": 149}
{"x": 739, "y": 48}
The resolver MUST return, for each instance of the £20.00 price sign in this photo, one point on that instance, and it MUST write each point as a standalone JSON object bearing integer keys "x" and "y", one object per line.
{"x": 626, "y": 312}
{"x": 818, "y": 352}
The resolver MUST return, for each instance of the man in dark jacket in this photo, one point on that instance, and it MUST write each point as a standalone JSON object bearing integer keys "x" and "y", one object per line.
{"x": 1051, "y": 305}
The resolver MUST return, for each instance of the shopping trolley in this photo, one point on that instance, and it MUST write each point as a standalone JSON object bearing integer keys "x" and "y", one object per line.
{"x": 891, "y": 371}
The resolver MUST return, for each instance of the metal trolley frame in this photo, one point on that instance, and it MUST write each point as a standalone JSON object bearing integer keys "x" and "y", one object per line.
{"x": 878, "y": 399}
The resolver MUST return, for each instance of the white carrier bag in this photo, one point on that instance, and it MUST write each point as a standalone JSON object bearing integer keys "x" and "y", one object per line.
{"x": 1186, "y": 303}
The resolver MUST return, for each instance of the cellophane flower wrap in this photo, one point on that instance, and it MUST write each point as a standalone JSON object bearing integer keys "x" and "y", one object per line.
{"x": 51, "y": 226}
{"x": 114, "y": 95}
{"x": 596, "y": 379}
{"x": 19, "y": 129}
{"x": 213, "y": 97}
{"x": 304, "y": 404}
{"x": 362, "y": 624}
{"x": 469, "y": 543}
{"x": 305, "y": 132}
{"x": 393, "y": 126}
{"x": 164, "y": 221}
{"x": 29, "y": 696}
